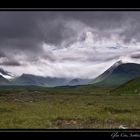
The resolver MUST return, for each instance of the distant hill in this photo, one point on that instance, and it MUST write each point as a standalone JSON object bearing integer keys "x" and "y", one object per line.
{"x": 78, "y": 81}
{"x": 117, "y": 74}
{"x": 28, "y": 79}
{"x": 131, "y": 87}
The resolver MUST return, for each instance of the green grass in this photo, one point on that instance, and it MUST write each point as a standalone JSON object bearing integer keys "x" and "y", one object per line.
{"x": 67, "y": 107}
{"x": 130, "y": 88}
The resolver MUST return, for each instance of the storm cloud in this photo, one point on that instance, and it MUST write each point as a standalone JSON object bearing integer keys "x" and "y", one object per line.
{"x": 67, "y": 43}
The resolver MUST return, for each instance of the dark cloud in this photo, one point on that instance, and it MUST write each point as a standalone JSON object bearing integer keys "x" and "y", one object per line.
{"x": 10, "y": 63}
{"x": 29, "y": 29}
{"x": 25, "y": 31}
{"x": 2, "y": 54}
{"x": 135, "y": 56}
{"x": 68, "y": 47}
{"x": 128, "y": 22}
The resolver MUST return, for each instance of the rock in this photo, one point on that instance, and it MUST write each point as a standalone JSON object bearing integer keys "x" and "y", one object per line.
{"x": 122, "y": 127}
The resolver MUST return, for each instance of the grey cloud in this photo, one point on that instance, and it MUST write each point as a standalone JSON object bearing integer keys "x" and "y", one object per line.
{"x": 28, "y": 27}
{"x": 49, "y": 57}
{"x": 6, "y": 61}
{"x": 10, "y": 63}
{"x": 2, "y": 54}
{"x": 25, "y": 32}
{"x": 135, "y": 56}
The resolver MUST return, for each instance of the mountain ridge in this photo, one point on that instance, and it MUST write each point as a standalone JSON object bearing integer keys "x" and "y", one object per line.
{"x": 118, "y": 75}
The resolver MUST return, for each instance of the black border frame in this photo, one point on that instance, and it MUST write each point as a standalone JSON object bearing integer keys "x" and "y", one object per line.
{"x": 95, "y": 132}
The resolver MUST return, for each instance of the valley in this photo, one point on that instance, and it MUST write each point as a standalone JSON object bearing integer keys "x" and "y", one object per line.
{"x": 109, "y": 101}
{"x": 67, "y": 107}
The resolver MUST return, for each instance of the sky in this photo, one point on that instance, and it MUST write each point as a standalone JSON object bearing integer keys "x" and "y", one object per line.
{"x": 71, "y": 44}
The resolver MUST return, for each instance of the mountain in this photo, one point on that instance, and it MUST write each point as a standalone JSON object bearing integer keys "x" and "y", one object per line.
{"x": 75, "y": 81}
{"x": 54, "y": 81}
{"x": 107, "y": 72}
{"x": 3, "y": 77}
{"x": 28, "y": 79}
{"x": 131, "y": 87}
{"x": 78, "y": 81}
{"x": 2, "y": 71}
{"x": 117, "y": 74}
{"x": 5, "y": 74}
{"x": 3, "y": 81}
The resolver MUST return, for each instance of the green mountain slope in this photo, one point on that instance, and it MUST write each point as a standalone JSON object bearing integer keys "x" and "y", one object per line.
{"x": 131, "y": 87}
{"x": 118, "y": 75}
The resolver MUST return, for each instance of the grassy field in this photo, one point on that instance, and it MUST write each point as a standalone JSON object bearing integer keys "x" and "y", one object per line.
{"x": 67, "y": 107}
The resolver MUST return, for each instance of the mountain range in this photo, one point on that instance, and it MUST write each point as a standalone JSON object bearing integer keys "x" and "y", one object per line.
{"x": 118, "y": 74}
{"x": 28, "y": 79}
